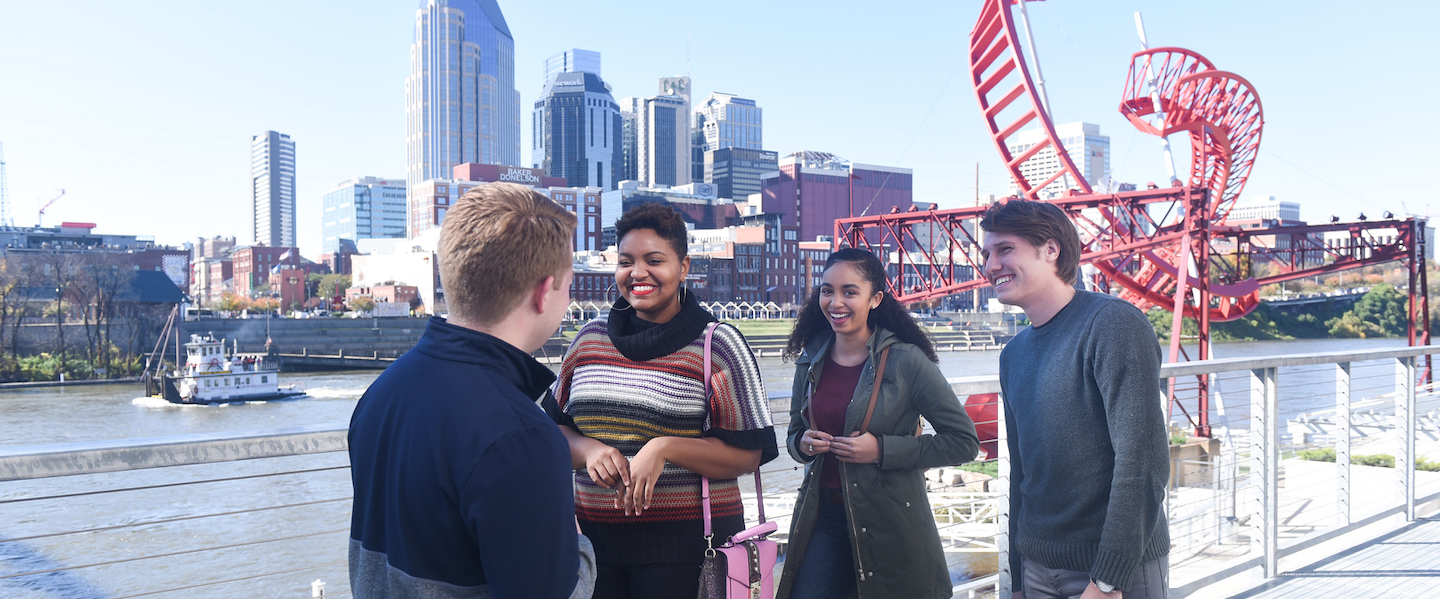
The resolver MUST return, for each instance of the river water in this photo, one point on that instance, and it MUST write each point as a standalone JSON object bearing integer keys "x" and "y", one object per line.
{"x": 271, "y": 554}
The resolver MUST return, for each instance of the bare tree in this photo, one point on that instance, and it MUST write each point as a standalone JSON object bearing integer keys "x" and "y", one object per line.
{"x": 59, "y": 272}
{"x": 12, "y": 302}
{"x": 100, "y": 280}
{"x": 18, "y": 304}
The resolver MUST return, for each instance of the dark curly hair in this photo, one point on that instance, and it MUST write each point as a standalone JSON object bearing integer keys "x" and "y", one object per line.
{"x": 889, "y": 314}
{"x": 659, "y": 217}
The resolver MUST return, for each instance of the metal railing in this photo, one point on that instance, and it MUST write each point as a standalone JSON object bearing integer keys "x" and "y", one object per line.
{"x": 1243, "y": 502}
{"x": 198, "y": 514}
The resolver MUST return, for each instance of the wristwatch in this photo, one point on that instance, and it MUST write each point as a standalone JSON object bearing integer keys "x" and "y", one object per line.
{"x": 1103, "y": 586}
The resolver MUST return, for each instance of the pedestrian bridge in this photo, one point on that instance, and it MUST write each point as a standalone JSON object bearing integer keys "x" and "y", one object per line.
{"x": 1249, "y": 516}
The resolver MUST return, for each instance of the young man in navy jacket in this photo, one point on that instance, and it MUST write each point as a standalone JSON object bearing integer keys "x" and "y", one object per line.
{"x": 462, "y": 483}
{"x": 1088, "y": 451}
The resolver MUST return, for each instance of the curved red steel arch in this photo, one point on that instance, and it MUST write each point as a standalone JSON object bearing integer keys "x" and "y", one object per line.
{"x": 1220, "y": 112}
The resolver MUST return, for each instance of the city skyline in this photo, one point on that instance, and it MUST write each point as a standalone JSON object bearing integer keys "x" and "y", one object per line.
{"x": 148, "y": 145}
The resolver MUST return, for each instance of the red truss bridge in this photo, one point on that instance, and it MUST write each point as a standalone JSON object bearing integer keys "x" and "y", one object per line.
{"x": 1165, "y": 246}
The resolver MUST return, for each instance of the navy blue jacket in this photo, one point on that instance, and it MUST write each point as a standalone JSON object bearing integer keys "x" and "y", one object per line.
{"x": 462, "y": 483}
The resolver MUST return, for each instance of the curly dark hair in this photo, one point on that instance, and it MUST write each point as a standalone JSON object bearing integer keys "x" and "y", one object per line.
{"x": 889, "y": 314}
{"x": 659, "y": 217}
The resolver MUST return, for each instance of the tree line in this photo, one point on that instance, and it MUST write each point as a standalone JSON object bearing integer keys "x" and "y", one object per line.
{"x": 55, "y": 289}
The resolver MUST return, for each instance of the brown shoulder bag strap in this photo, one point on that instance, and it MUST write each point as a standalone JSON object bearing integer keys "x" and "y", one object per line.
{"x": 874, "y": 392}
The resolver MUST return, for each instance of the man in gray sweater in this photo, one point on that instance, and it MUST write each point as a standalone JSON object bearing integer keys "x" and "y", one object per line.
{"x": 1083, "y": 419}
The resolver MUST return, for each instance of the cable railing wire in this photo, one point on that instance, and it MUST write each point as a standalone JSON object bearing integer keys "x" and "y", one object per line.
{"x": 241, "y": 579}
{"x": 170, "y": 485}
{"x": 177, "y": 553}
{"x": 173, "y": 520}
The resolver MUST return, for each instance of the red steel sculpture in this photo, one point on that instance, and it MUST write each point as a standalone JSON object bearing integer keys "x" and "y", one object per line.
{"x": 1168, "y": 247}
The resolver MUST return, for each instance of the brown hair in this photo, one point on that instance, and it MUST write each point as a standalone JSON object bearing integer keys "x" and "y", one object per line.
{"x": 1037, "y": 223}
{"x": 497, "y": 242}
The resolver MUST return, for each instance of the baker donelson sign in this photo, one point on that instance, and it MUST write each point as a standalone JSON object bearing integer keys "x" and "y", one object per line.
{"x": 520, "y": 175}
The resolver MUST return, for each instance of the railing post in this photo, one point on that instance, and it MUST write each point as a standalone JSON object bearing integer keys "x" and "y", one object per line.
{"x": 1342, "y": 443}
{"x": 1005, "y": 584}
{"x": 1405, "y": 426}
{"x": 1265, "y": 467}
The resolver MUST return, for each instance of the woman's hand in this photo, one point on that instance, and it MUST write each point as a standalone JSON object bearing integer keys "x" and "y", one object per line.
{"x": 864, "y": 449}
{"x": 607, "y": 466}
{"x": 645, "y": 469}
{"x": 814, "y": 442}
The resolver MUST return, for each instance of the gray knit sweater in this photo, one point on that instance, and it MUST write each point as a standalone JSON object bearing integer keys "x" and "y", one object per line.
{"x": 1086, "y": 433}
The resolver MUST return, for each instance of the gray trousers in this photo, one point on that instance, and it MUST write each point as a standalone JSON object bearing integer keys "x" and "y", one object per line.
{"x": 1151, "y": 581}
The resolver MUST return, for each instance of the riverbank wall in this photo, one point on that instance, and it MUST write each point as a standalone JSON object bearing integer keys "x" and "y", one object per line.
{"x": 388, "y": 337}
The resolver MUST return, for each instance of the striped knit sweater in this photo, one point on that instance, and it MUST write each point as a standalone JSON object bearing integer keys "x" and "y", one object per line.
{"x": 625, "y": 402}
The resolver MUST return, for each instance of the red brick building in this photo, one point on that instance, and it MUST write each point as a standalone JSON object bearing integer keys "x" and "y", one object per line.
{"x": 251, "y": 265}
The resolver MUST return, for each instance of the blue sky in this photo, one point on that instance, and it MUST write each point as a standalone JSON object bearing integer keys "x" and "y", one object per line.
{"x": 143, "y": 111}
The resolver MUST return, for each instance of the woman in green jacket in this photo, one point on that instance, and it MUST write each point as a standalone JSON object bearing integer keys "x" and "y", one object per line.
{"x": 862, "y": 522}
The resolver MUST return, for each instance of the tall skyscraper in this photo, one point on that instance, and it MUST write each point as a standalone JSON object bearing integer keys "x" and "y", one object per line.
{"x": 729, "y": 121}
{"x": 272, "y": 181}
{"x": 576, "y": 124}
{"x": 697, "y": 149}
{"x": 662, "y": 135}
{"x": 1088, "y": 149}
{"x": 460, "y": 99}
{"x": 363, "y": 208}
{"x": 630, "y": 109}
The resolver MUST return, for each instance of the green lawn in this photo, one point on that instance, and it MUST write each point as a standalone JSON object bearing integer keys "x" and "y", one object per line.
{"x": 752, "y": 328}
{"x": 756, "y": 328}
{"x": 749, "y": 328}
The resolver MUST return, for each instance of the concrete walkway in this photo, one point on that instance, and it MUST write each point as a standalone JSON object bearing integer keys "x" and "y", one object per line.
{"x": 1403, "y": 563}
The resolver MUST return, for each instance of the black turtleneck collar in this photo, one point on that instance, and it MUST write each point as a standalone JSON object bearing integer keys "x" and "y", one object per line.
{"x": 449, "y": 342}
{"x": 641, "y": 340}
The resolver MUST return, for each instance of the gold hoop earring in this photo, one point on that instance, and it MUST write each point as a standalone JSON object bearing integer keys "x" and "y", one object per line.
{"x": 617, "y": 297}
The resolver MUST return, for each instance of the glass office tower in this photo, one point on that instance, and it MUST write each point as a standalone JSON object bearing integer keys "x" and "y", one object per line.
{"x": 362, "y": 208}
{"x": 460, "y": 99}
{"x": 272, "y": 187}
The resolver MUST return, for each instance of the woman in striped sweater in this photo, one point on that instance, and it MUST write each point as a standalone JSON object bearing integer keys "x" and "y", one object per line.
{"x": 641, "y": 434}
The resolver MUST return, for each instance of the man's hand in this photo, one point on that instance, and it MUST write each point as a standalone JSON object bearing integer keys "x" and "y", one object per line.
{"x": 864, "y": 449}
{"x": 1094, "y": 592}
{"x": 1017, "y": 595}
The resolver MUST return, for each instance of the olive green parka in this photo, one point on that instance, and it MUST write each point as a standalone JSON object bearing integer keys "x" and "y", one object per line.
{"x": 893, "y": 539}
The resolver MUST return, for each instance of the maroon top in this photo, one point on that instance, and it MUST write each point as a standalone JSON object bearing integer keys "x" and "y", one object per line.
{"x": 828, "y": 404}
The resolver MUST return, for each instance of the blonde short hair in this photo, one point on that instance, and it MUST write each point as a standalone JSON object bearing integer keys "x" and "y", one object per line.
{"x": 498, "y": 241}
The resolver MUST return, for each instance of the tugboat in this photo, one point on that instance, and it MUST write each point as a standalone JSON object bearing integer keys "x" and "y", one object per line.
{"x": 210, "y": 377}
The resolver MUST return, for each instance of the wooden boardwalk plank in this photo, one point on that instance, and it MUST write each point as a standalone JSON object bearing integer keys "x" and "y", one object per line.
{"x": 1404, "y": 563}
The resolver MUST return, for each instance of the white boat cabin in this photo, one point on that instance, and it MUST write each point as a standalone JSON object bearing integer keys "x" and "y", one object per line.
{"x": 211, "y": 376}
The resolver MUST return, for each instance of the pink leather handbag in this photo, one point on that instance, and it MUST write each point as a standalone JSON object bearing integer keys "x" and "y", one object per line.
{"x": 743, "y": 567}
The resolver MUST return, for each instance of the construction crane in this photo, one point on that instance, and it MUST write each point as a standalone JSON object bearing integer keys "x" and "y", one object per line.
{"x": 40, "y": 220}
{"x": 4, "y": 193}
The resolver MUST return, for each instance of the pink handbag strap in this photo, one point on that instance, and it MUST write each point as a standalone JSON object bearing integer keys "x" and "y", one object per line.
{"x": 704, "y": 481}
